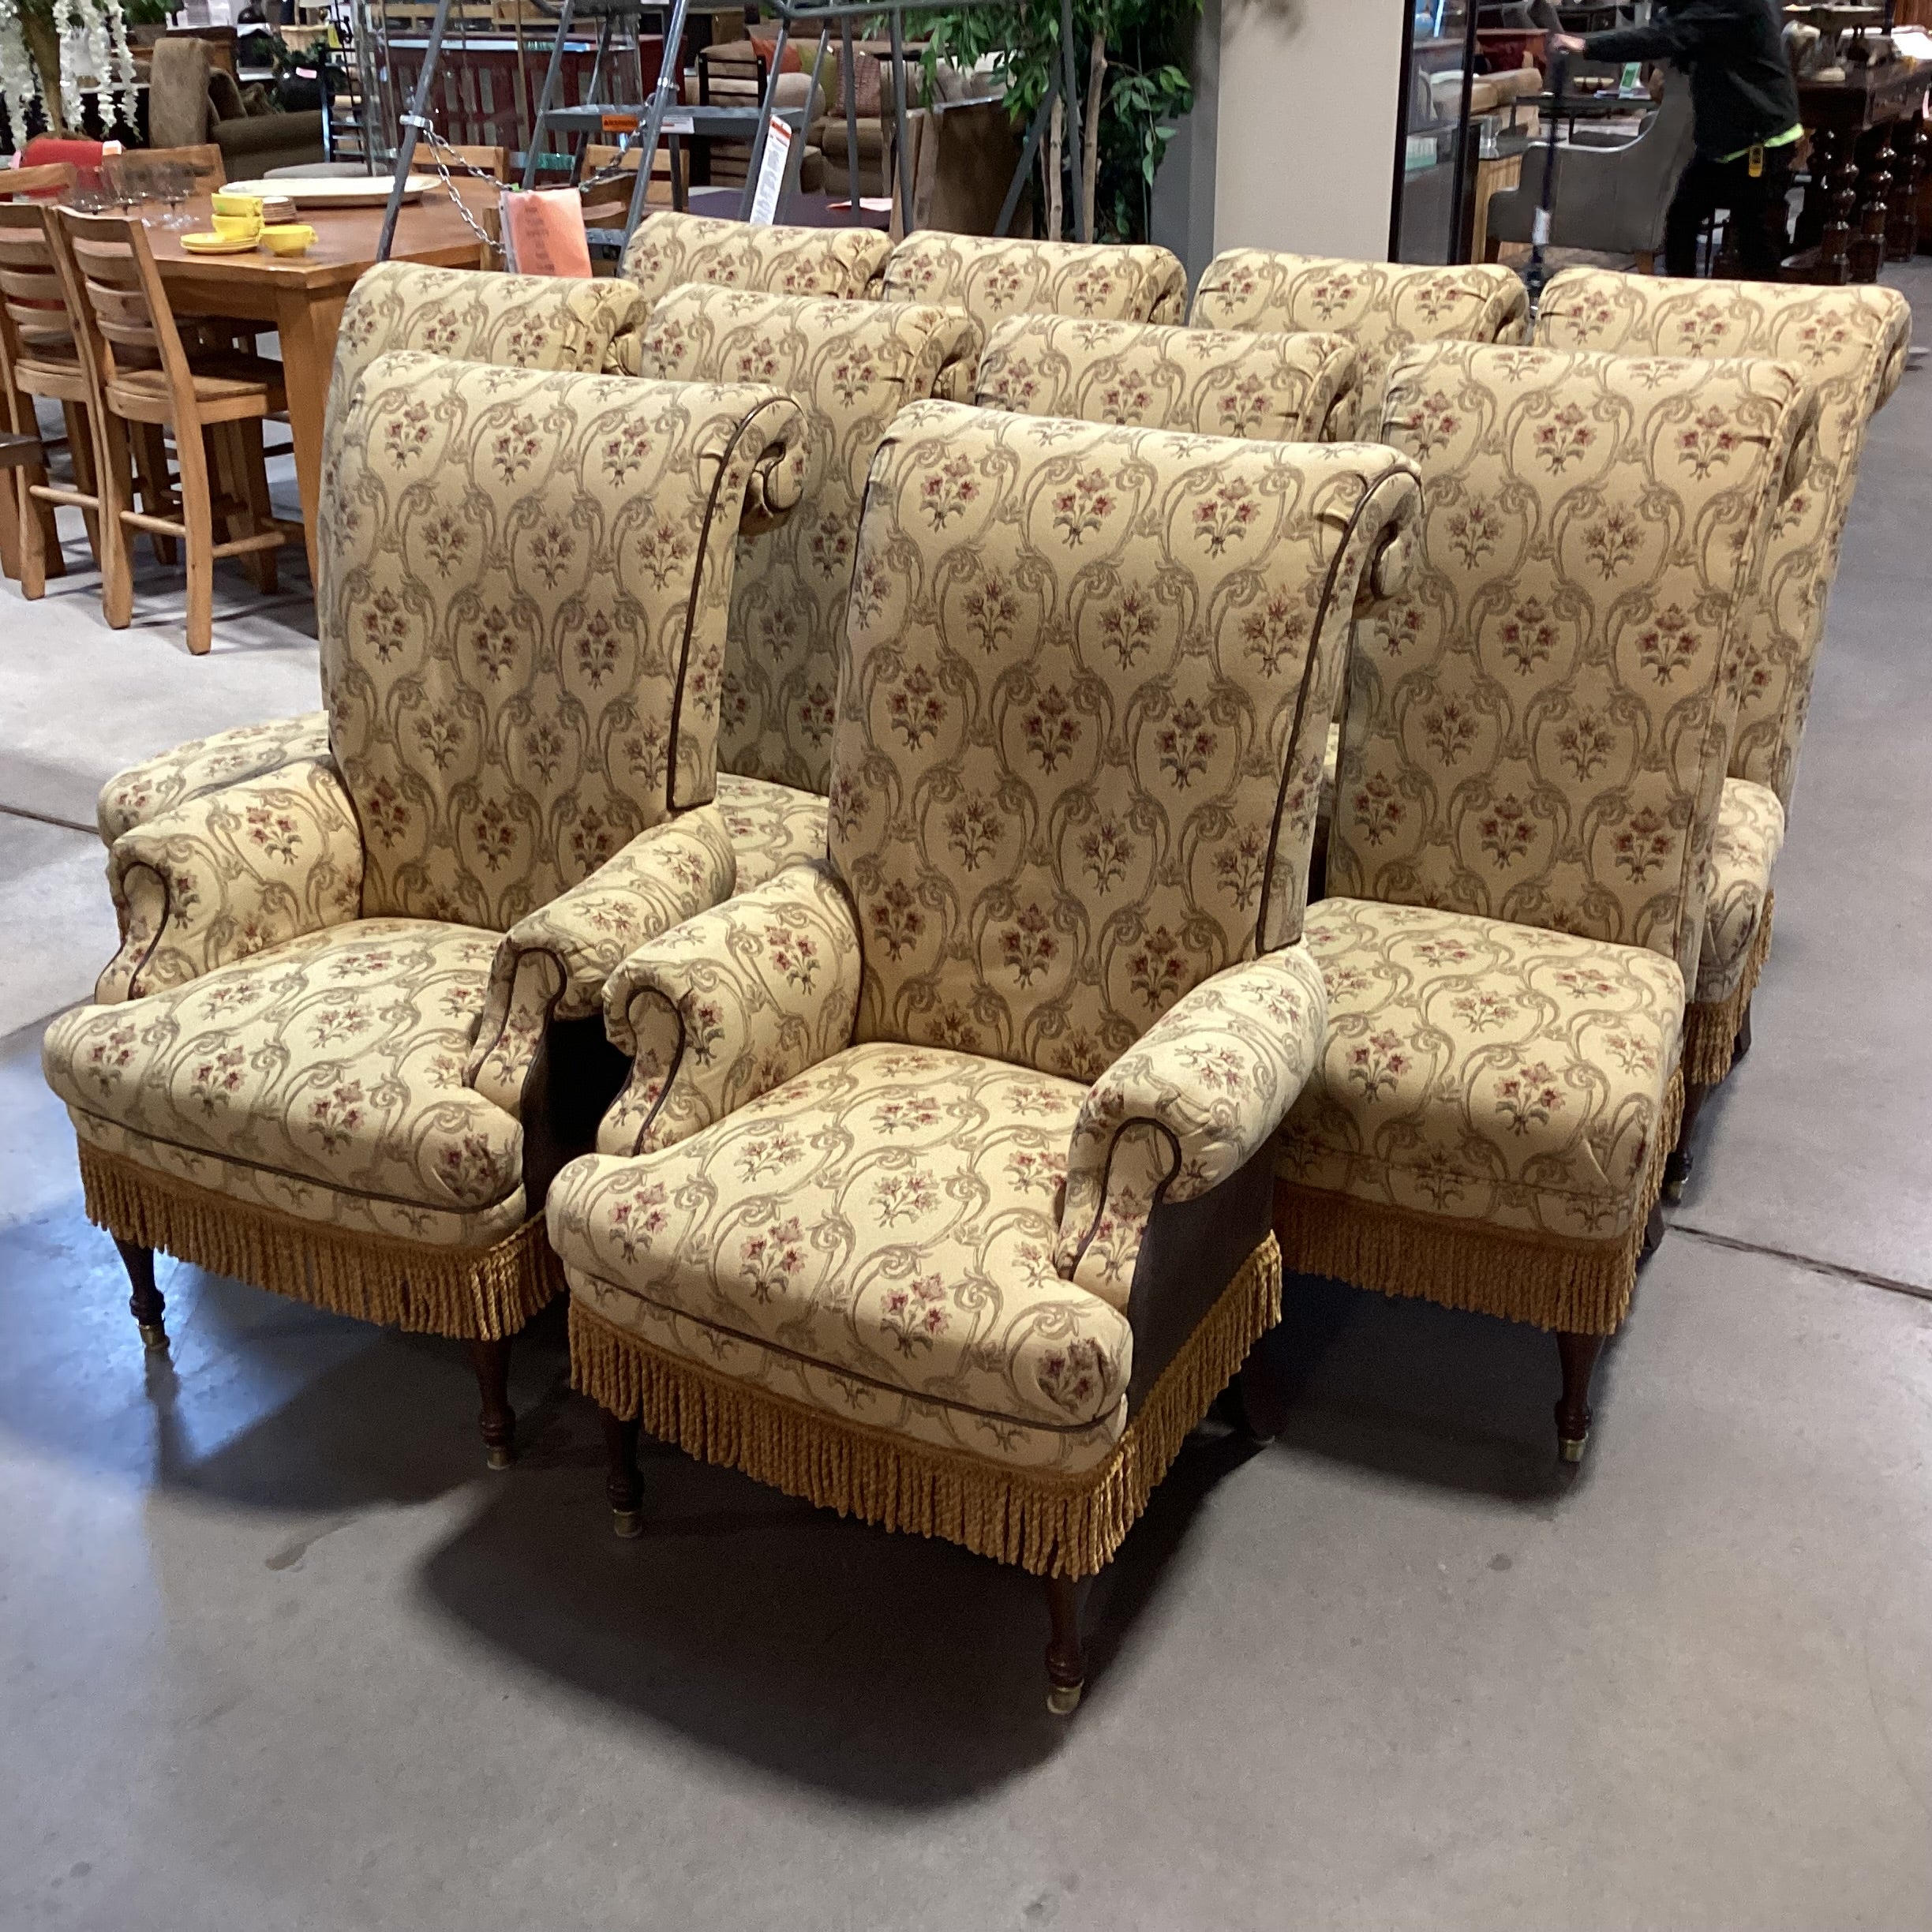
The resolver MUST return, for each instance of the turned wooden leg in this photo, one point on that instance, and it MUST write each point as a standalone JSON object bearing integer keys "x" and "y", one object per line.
{"x": 1742, "y": 1046}
{"x": 491, "y": 1360}
{"x": 1677, "y": 1169}
{"x": 1579, "y": 1354}
{"x": 1066, "y": 1661}
{"x": 623, "y": 1483}
{"x": 145, "y": 1303}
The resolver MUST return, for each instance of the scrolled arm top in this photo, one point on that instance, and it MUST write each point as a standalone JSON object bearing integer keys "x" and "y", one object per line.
{"x": 729, "y": 1006}
{"x": 228, "y": 873}
{"x": 1186, "y": 1107}
{"x": 554, "y": 963}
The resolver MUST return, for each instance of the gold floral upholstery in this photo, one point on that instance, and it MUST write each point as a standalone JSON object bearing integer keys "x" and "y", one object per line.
{"x": 1531, "y": 766}
{"x": 771, "y": 826}
{"x": 851, "y": 367}
{"x": 992, "y": 277}
{"x": 1851, "y": 344}
{"x": 306, "y": 1066}
{"x": 142, "y": 791}
{"x": 1383, "y": 308}
{"x": 1288, "y": 388}
{"x": 533, "y": 322}
{"x": 1737, "y": 927}
{"x": 859, "y": 1224}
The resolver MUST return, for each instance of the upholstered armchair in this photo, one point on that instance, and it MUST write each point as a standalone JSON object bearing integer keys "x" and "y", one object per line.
{"x": 1383, "y": 308}
{"x": 938, "y": 1192}
{"x": 1285, "y": 388}
{"x": 1851, "y": 343}
{"x": 343, "y": 1045}
{"x": 992, "y": 278}
{"x": 1532, "y": 752}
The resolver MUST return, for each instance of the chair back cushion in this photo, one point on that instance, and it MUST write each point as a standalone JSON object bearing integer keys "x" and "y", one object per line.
{"x": 535, "y": 322}
{"x": 1536, "y": 730}
{"x": 669, "y": 249}
{"x": 1211, "y": 382}
{"x": 1851, "y": 343}
{"x": 1381, "y": 307}
{"x": 525, "y": 578}
{"x": 850, "y": 366}
{"x": 1080, "y": 735}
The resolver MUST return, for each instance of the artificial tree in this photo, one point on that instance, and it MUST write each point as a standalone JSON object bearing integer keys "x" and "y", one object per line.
{"x": 50, "y": 48}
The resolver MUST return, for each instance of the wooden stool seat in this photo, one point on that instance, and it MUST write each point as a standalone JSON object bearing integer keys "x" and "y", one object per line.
{"x": 225, "y": 389}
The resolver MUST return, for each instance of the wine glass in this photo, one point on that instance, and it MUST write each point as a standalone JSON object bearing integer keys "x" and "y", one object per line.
{"x": 177, "y": 185}
{"x": 128, "y": 179}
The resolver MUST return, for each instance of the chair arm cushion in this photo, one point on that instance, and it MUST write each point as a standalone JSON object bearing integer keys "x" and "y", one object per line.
{"x": 1186, "y": 1108}
{"x": 131, "y": 797}
{"x": 228, "y": 873}
{"x": 730, "y": 1006}
{"x": 553, "y": 963}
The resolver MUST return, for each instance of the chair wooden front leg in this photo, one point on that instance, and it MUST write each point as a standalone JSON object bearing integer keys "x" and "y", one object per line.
{"x": 1066, "y": 1657}
{"x": 1677, "y": 1169}
{"x": 491, "y": 1361}
{"x": 1577, "y": 1353}
{"x": 145, "y": 1303}
{"x": 623, "y": 1484}
{"x": 117, "y": 494}
{"x": 198, "y": 519}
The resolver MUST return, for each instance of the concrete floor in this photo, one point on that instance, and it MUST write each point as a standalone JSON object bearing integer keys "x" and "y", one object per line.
{"x": 275, "y": 1651}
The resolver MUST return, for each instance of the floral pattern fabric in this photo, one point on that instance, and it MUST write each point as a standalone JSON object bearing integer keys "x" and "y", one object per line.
{"x": 1851, "y": 343}
{"x": 1383, "y": 308}
{"x": 728, "y": 1006}
{"x": 1285, "y": 388}
{"x": 465, "y": 315}
{"x": 157, "y": 784}
{"x": 1079, "y": 748}
{"x": 1186, "y": 1108}
{"x": 851, "y": 367}
{"x": 991, "y": 278}
{"x": 1478, "y": 1070}
{"x": 670, "y": 249}
{"x": 323, "y": 1078}
{"x": 1751, "y": 834}
{"x": 525, "y": 579}
{"x": 1537, "y": 730}
{"x": 771, "y": 826}
{"x": 875, "y": 1238}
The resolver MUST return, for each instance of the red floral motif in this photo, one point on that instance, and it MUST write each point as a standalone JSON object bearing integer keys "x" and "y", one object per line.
{"x": 768, "y": 1154}
{"x": 1449, "y": 728}
{"x": 275, "y": 832}
{"x": 914, "y": 1313}
{"x": 904, "y": 1197}
{"x": 626, "y": 450}
{"x": 973, "y": 829}
{"x": 662, "y": 549}
{"x": 341, "y": 1017}
{"x": 1584, "y": 744}
{"x": 443, "y": 541}
{"x": 1708, "y": 443}
{"x": 1377, "y": 1064}
{"x": 1082, "y": 506}
{"x": 1031, "y": 1168}
{"x": 896, "y": 922}
{"x": 215, "y": 1080}
{"x": 1473, "y": 532}
{"x": 1239, "y": 410}
{"x": 913, "y": 1114}
{"x": 1632, "y": 1054}
{"x": 1073, "y": 1377}
{"x": 1158, "y": 971}
{"x": 495, "y": 834}
{"x": 1440, "y": 953}
{"x": 407, "y": 433}
{"x": 1241, "y": 864}
{"x": 1224, "y": 513}
{"x": 795, "y": 955}
{"x": 1186, "y": 743}
{"x": 915, "y": 709}
{"x": 1027, "y": 947}
{"x": 1530, "y": 1097}
{"x": 1430, "y": 424}
{"x": 514, "y": 446}
{"x": 1612, "y": 544}
{"x": 1275, "y": 632}
{"x": 1050, "y": 729}
{"x": 871, "y": 586}
{"x": 1669, "y": 645}
{"x": 1027, "y": 1097}
{"x": 1643, "y": 843}
{"x": 647, "y": 751}
{"x": 852, "y": 373}
{"x": 1507, "y": 830}
{"x": 1563, "y": 438}
{"x": 829, "y": 547}
{"x": 772, "y": 1260}
{"x": 1128, "y": 628}
{"x": 991, "y": 608}
{"x": 593, "y": 839}
{"x": 550, "y": 550}
{"x": 385, "y": 629}
{"x": 1378, "y": 810}
{"x": 1223, "y": 1069}
{"x": 952, "y": 1027}
{"x": 1481, "y": 1009}
{"x": 596, "y": 649}
{"x": 846, "y": 805}
{"x": 818, "y": 711}
{"x": 1105, "y": 851}
{"x": 494, "y": 640}
{"x": 945, "y": 491}
{"x": 335, "y": 1116}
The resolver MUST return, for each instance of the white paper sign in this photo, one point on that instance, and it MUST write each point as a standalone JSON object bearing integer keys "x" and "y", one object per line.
{"x": 771, "y": 173}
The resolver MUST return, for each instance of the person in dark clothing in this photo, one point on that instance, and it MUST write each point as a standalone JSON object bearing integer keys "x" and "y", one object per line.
{"x": 1747, "y": 126}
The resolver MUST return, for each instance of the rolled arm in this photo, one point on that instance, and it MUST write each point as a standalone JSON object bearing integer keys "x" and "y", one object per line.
{"x": 730, "y": 1006}
{"x": 228, "y": 873}
{"x": 1186, "y": 1108}
{"x": 553, "y": 964}
{"x": 157, "y": 784}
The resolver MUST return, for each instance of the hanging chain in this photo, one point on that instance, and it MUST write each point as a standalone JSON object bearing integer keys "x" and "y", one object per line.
{"x": 443, "y": 154}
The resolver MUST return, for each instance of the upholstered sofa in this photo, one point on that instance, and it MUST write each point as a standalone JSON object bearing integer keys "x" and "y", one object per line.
{"x": 1851, "y": 344}
{"x": 939, "y": 1192}
{"x": 340, "y": 1049}
{"x": 1533, "y": 753}
{"x": 1148, "y": 376}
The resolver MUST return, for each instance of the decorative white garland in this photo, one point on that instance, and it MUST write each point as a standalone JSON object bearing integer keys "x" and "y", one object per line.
{"x": 99, "y": 29}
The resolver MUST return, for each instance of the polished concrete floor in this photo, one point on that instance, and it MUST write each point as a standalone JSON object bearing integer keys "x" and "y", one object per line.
{"x": 275, "y": 1651}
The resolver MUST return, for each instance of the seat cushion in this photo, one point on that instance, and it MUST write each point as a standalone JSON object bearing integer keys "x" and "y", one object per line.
{"x": 1478, "y": 1071}
{"x": 873, "y": 1239}
{"x": 322, "y": 1079}
{"x": 771, "y": 826}
{"x": 1751, "y": 834}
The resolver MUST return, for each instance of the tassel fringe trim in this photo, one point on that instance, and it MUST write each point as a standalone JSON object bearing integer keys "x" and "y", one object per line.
{"x": 1580, "y": 1287}
{"x": 1711, "y": 1031}
{"x": 1053, "y": 1525}
{"x": 470, "y": 1294}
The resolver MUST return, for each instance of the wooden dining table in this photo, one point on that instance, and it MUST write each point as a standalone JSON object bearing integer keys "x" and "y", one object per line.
{"x": 301, "y": 298}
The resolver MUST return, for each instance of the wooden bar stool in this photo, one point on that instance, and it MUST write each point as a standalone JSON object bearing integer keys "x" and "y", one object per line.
{"x": 213, "y": 407}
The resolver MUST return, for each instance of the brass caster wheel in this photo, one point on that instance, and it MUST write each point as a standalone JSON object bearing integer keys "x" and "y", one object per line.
{"x": 154, "y": 1337}
{"x": 497, "y": 1456}
{"x": 1063, "y": 1700}
{"x": 1572, "y": 1451}
{"x": 627, "y": 1523}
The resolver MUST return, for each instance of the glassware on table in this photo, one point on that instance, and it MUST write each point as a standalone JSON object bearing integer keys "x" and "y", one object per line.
{"x": 176, "y": 184}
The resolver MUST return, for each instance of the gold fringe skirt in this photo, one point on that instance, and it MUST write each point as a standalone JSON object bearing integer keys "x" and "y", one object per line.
{"x": 1710, "y": 1032}
{"x": 1582, "y": 1287}
{"x": 1053, "y": 1525}
{"x": 470, "y": 1294}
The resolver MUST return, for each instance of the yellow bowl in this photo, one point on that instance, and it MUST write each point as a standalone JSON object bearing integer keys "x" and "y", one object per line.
{"x": 224, "y": 203}
{"x": 289, "y": 237}
{"x": 237, "y": 228}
